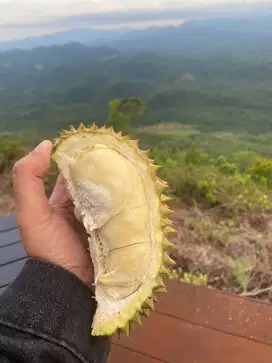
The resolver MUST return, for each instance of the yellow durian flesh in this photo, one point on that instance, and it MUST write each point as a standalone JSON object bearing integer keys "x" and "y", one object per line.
{"x": 118, "y": 199}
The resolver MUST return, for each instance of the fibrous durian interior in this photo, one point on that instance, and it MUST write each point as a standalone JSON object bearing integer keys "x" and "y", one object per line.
{"x": 119, "y": 199}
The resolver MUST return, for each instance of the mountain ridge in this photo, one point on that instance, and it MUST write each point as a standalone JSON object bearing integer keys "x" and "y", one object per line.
{"x": 255, "y": 25}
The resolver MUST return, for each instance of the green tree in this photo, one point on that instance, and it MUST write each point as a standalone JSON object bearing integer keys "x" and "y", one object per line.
{"x": 124, "y": 112}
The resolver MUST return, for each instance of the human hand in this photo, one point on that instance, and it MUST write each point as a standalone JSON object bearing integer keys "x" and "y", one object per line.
{"x": 49, "y": 229}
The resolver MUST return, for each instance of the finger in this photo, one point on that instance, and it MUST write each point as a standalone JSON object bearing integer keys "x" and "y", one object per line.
{"x": 30, "y": 197}
{"x": 60, "y": 196}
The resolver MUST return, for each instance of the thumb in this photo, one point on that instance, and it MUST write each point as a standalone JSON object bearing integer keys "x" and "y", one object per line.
{"x": 30, "y": 197}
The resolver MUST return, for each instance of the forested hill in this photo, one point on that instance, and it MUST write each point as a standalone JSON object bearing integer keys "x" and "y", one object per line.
{"x": 216, "y": 75}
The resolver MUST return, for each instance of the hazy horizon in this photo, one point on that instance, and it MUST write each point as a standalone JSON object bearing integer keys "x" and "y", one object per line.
{"x": 32, "y": 19}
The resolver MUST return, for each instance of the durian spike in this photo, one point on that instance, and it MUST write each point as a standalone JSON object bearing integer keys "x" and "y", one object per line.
{"x": 160, "y": 282}
{"x": 81, "y": 127}
{"x": 160, "y": 290}
{"x": 164, "y": 198}
{"x": 167, "y": 245}
{"x": 134, "y": 143}
{"x": 164, "y": 270}
{"x": 94, "y": 127}
{"x": 149, "y": 304}
{"x": 145, "y": 153}
{"x": 119, "y": 333}
{"x": 145, "y": 312}
{"x": 160, "y": 185}
{"x": 137, "y": 318}
{"x": 126, "y": 138}
{"x": 103, "y": 128}
{"x": 154, "y": 168}
{"x": 169, "y": 229}
{"x": 165, "y": 210}
{"x": 168, "y": 260}
{"x": 166, "y": 222}
{"x": 127, "y": 329}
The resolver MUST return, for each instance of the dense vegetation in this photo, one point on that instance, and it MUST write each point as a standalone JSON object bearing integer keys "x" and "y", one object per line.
{"x": 223, "y": 205}
{"x": 204, "y": 111}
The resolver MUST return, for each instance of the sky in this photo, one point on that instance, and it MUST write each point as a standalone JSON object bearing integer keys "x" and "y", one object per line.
{"x": 22, "y": 18}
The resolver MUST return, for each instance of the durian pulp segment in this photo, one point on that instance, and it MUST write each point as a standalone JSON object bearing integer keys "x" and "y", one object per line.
{"x": 113, "y": 186}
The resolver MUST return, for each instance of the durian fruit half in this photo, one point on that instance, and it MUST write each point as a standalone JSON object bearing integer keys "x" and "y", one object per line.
{"x": 119, "y": 199}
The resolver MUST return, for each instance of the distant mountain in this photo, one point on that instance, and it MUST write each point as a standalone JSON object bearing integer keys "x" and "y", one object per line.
{"x": 261, "y": 24}
{"x": 84, "y": 36}
{"x": 222, "y": 32}
{"x": 200, "y": 37}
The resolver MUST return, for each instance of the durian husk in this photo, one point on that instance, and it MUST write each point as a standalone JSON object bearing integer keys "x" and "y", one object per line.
{"x": 143, "y": 302}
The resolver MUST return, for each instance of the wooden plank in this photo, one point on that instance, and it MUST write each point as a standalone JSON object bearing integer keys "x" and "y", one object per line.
{"x": 217, "y": 310}
{"x": 8, "y": 237}
{"x": 7, "y": 223}
{"x": 175, "y": 341}
{"x": 122, "y": 355}
{"x": 11, "y": 253}
{"x": 9, "y": 272}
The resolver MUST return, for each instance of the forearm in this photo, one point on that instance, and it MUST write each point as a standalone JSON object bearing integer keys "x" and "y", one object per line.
{"x": 46, "y": 315}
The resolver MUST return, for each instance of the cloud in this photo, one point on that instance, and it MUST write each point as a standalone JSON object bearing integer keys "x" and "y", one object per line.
{"x": 35, "y": 11}
{"x": 107, "y": 18}
{"x": 20, "y": 18}
{"x": 116, "y": 17}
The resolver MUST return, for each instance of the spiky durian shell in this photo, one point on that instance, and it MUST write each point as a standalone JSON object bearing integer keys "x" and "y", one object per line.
{"x": 139, "y": 308}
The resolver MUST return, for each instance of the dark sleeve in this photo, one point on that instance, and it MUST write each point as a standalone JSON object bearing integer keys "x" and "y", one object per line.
{"x": 46, "y": 316}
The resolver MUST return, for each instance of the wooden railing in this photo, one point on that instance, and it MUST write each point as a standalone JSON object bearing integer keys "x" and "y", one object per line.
{"x": 198, "y": 325}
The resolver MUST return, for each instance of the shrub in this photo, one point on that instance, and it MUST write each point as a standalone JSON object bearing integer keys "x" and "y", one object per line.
{"x": 10, "y": 150}
{"x": 226, "y": 167}
{"x": 261, "y": 171}
{"x": 194, "y": 179}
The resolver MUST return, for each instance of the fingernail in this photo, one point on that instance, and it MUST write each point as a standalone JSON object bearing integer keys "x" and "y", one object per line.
{"x": 44, "y": 146}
